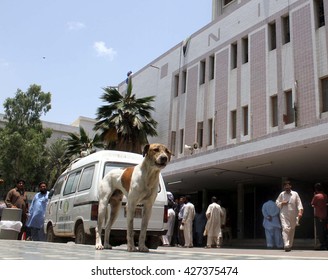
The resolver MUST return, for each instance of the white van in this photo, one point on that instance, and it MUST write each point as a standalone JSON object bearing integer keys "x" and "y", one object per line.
{"x": 72, "y": 209}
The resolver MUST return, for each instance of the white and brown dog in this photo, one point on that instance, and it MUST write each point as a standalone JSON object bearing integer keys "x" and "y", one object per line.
{"x": 140, "y": 185}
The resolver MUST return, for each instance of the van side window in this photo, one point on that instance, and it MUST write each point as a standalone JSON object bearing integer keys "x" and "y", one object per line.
{"x": 72, "y": 182}
{"x": 113, "y": 165}
{"x": 58, "y": 186}
{"x": 86, "y": 178}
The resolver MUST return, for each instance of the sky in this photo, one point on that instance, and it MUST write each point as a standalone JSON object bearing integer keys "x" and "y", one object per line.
{"x": 75, "y": 48}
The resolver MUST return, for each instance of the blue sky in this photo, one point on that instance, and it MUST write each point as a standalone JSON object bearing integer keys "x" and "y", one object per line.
{"x": 74, "y": 48}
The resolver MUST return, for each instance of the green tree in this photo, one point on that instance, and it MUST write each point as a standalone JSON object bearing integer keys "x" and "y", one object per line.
{"x": 126, "y": 121}
{"x": 57, "y": 160}
{"x": 79, "y": 143}
{"x": 22, "y": 140}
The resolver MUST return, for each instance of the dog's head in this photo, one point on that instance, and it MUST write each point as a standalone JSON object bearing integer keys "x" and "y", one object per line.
{"x": 158, "y": 154}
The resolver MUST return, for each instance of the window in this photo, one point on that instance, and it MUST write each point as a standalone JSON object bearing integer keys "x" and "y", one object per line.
{"x": 245, "y": 120}
{"x": 226, "y": 2}
{"x": 58, "y": 186}
{"x": 245, "y": 50}
{"x": 274, "y": 111}
{"x": 86, "y": 178}
{"x": 289, "y": 116}
{"x": 200, "y": 131}
{"x": 173, "y": 141}
{"x": 233, "y": 124}
{"x": 202, "y": 72}
{"x": 113, "y": 165}
{"x": 181, "y": 141}
{"x": 72, "y": 182}
{"x": 272, "y": 36}
{"x": 234, "y": 56}
{"x": 210, "y": 132}
{"x": 285, "y": 30}
{"x": 319, "y": 13}
{"x": 324, "y": 95}
{"x": 211, "y": 67}
{"x": 184, "y": 81}
{"x": 176, "y": 85}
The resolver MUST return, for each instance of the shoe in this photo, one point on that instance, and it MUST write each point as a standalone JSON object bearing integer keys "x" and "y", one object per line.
{"x": 287, "y": 249}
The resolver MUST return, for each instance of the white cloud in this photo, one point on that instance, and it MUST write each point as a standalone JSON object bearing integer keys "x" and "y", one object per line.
{"x": 75, "y": 25}
{"x": 102, "y": 50}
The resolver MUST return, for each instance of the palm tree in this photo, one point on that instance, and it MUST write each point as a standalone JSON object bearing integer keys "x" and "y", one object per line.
{"x": 81, "y": 144}
{"x": 58, "y": 161}
{"x": 126, "y": 121}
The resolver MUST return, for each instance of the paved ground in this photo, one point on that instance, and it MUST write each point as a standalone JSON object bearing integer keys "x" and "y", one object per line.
{"x": 29, "y": 250}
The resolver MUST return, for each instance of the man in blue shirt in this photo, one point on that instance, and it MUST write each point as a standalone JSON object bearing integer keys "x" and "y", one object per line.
{"x": 37, "y": 212}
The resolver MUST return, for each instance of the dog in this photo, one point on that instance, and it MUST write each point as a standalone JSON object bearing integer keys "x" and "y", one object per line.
{"x": 140, "y": 185}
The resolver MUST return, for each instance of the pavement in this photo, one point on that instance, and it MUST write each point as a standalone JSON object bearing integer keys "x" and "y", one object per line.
{"x": 30, "y": 250}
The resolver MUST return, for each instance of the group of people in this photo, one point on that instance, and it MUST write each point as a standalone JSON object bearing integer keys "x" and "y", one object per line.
{"x": 32, "y": 215}
{"x": 188, "y": 226}
{"x": 281, "y": 217}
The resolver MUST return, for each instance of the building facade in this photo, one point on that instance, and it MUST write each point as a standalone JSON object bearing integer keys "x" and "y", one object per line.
{"x": 243, "y": 105}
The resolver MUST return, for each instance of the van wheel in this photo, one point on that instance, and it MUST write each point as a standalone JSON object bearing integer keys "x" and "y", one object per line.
{"x": 51, "y": 237}
{"x": 80, "y": 235}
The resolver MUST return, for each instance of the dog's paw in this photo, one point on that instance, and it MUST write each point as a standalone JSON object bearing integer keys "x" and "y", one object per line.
{"x": 107, "y": 246}
{"x": 132, "y": 249}
{"x": 99, "y": 247}
{"x": 143, "y": 249}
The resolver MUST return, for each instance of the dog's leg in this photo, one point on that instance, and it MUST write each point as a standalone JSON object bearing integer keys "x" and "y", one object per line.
{"x": 102, "y": 213}
{"x": 115, "y": 206}
{"x": 147, "y": 208}
{"x": 129, "y": 219}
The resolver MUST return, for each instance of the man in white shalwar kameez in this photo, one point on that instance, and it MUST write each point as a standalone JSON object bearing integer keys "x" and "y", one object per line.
{"x": 187, "y": 222}
{"x": 291, "y": 211}
{"x": 214, "y": 216}
{"x": 271, "y": 224}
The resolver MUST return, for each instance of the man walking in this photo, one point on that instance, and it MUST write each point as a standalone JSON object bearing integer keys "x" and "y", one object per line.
{"x": 214, "y": 215}
{"x": 271, "y": 224}
{"x": 291, "y": 211}
{"x": 187, "y": 222}
{"x": 319, "y": 203}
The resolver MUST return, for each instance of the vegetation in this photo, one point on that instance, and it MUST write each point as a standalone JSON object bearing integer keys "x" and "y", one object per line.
{"x": 125, "y": 121}
{"x": 22, "y": 140}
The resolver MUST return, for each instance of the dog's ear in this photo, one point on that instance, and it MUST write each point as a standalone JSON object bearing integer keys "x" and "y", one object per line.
{"x": 145, "y": 150}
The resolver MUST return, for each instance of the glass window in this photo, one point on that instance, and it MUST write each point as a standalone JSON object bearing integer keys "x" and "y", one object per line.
{"x": 58, "y": 186}
{"x": 324, "y": 95}
{"x": 86, "y": 178}
{"x": 274, "y": 110}
{"x": 285, "y": 30}
{"x": 72, "y": 182}
{"x": 113, "y": 165}
{"x": 272, "y": 36}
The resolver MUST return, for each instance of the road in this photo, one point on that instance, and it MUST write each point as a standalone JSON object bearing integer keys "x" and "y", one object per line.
{"x": 29, "y": 250}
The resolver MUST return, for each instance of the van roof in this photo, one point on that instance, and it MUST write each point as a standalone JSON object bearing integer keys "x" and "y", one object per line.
{"x": 107, "y": 155}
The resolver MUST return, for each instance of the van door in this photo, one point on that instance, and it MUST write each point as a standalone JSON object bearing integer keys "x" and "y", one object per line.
{"x": 52, "y": 207}
{"x": 65, "y": 204}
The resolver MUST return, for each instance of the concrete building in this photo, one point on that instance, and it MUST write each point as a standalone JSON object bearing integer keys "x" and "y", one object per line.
{"x": 243, "y": 104}
{"x": 61, "y": 131}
